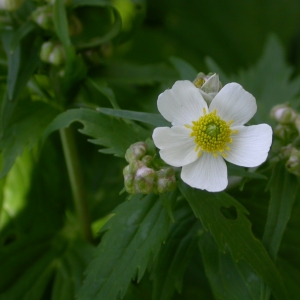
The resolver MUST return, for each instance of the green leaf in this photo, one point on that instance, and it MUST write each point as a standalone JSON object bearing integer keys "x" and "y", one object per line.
{"x": 284, "y": 187}
{"x": 112, "y": 133}
{"x": 115, "y": 29}
{"x": 185, "y": 70}
{"x": 175, "y": 255}
{"x": 105, "y": 91}
{"x": 229, "y": 280}
{"x": 22, "y": 62}
{"x": 133, "y": 238}
{"x": 153, "y": 119}
{"x": 234, "y": 170}
{"x": 225, "y": 218}
{"x": 24, "y": 128}
{"x": 269, "y": 80}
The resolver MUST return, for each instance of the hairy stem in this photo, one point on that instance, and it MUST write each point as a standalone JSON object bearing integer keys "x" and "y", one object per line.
{"x": 76, "y": 182}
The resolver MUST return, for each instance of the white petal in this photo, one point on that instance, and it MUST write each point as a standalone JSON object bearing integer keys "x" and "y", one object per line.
{"x": 234, "y": 103}
{"x": 176, "y": 146}
{"x": 206, "y": 173}
{"x": 250, "y": 146}
{"x": 182, "y": 104}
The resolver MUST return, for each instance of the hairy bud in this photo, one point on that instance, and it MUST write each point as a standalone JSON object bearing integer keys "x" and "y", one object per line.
{"x": 283, "y": 114}
{"x": 136, "y": 151}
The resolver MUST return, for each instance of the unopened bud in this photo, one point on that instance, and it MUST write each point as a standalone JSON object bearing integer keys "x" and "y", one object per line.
{"x": 208, "y": 85}
{"x": 136, "y": 151}
{"x": 43, "y": 17}
{"x": 285, "y": 152}
{"x": 52, "y": 53}
{"x": 293, "y": 163}
{"x": 283, "y": 131}
{"x": 297, "y": 123}
{"x": 283, "y": 114}
{"x": 10, "y": 5}
{"x": 166, "y": 180}
{"x": 144, "y": 180}
{"x": 147, "y": 159}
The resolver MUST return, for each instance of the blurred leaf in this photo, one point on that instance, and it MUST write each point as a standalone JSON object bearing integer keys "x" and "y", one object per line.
{"x": 105, "y": 91}
{"x": 175, "y": 255}
{"x": 234, "y": 170}
{"x": 225, "y": 218}
{"x": 22, "y": 62}
{"x": 185, "y": 70}
{"x": 115, "y": 29}
{"x": 229, "y": 280}
{"x": 269, "y": 80}
{"x": 133, "y": 74}
{"x": 112, "y": 133}
{"x": 284, "y": 187}
{"x": 24, "y": 128}
{"x": 153, "y": 119}
{"x": 133, "y": 238}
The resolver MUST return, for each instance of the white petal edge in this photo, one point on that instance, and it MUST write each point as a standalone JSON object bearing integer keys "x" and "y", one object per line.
{"x": 250, "y": 146}
{"x": 235, "y": 104}
{"x": 206, "y": 173}
{"x": 182, "y": 104}
{"x": 176, "y": 146}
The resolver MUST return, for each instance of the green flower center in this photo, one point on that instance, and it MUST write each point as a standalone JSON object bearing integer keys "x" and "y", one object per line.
{"x": 211, "y": 133}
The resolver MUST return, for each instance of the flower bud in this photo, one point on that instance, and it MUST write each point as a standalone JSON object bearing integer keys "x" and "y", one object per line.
{"x": 144, "y": 180}
{"x": 136, "y": 151}
{"x": 283, "y": 114}
{"x": 52, "y": 53}
{"x": 293, "y": 163}
{"x": 147, "y": 159}
{"x": 208, "y": 85}
{"x": 10, "y": 4}
{"x": 166, "y": 180}
{"x": 285, "y": 152}
{"x": 283, "y": 131}
{"x": 43, "y": 17}
{"x": 297, "y": 123}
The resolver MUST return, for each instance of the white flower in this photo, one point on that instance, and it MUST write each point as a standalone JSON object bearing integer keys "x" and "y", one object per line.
{"x": 201, "y": 137}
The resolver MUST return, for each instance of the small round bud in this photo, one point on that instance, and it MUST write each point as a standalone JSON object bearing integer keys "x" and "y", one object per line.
{"x": 209, "y": 85}
{"x": 147, "y": 159}
{"x": 10, "y": 5}
{"x": 144, "y": 180}
{"x": 297, "y": 123}
{"x": 166, "y": 180}
{"x": 293, "y": 163}
{"x": 43, "y": 17}
{"x": 283, "y": 114}
{"x": 283, "y": 131}
{"x": 136, "y": 151}
{"x": 52, "y": 53}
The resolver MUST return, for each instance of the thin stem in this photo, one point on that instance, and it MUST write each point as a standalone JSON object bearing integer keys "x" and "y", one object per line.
{"x": 76, "y": 182}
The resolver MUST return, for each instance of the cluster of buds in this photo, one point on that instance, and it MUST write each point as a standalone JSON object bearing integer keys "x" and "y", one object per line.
{"x": 288, "y": 132}
{"x": 141, "y": 176}
{"x": 209, "y": 85}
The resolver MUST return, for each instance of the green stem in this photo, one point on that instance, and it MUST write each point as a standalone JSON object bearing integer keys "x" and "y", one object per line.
{"x": 76, "y": 182}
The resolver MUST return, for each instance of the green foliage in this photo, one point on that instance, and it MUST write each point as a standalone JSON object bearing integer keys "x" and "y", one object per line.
{"x": 133, "y": 238}
{"x": 225, "y": 218}
{"x": 104, "y": 130}
{"x": 116, "y": 57}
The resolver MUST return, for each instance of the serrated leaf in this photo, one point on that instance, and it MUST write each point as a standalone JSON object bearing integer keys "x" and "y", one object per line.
{"x": 235, "y": 232}
{"x": 229, "y": 280}
{"x": 185, "y": 70}
{"x": 149, "y": 118}
{"x": 133, "y": 238}
{"x": 175, "y": 255}
{"x": 112, "y": 133}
